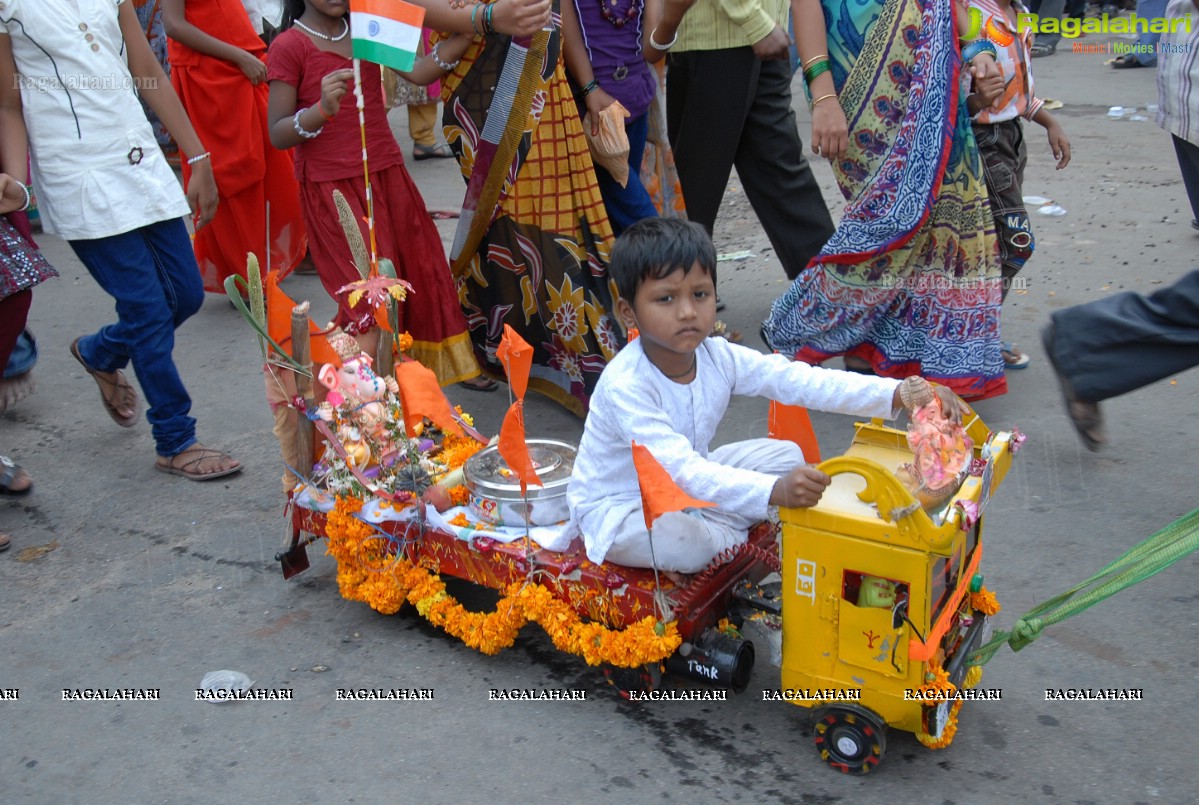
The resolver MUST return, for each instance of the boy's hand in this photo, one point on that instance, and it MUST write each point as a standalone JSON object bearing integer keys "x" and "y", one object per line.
{"x": 333, "y": 88}
{"x": 1059, "y": 144}
{"x": 953, "y": 407}
{"x": 800, "y": 488}
{"x": 989, "y": 87}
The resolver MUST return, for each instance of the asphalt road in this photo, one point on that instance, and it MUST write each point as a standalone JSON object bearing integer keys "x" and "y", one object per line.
{"x": 149, "y": 581}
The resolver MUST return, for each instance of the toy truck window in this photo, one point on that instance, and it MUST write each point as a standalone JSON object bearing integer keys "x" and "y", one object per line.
{"x": 945, "y": 575}
{"x": 865, "y": 590}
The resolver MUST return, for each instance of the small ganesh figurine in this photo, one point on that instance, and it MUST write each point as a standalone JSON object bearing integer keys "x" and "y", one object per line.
{"x": 941, "y": 450}
{"x": 356, "y": 387}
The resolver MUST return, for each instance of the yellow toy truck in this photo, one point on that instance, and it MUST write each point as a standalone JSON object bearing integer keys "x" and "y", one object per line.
{"x": 882, "y": 602}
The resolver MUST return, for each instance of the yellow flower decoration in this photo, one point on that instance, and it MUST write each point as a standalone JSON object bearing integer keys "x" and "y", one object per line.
{"x": 567, "y": 309}
{"x": 385, "y": 581}
{"x": 985, "y": 602}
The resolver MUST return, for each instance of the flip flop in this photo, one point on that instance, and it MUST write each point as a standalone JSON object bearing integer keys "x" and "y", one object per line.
{"x": 1128, "y": 61}
{"x": 5, "y": 543}
{"x": 1086, "y": 417}
{"x": 188, "y": 469}
{"x": 9, "y": 472}
{"x": 439, "y": 151}
{"x": 121, "y": 385}
{"x": 1014, "y": 358}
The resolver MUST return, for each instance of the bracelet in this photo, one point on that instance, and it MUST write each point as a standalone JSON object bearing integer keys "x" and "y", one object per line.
{"x": 474, "y": 12}
{"x": 653, "y": 43}
{"x": 300, "y": 130}
{"x": 28, "y": 199}
{"x": 915, "y": 392}
{"x": 815, "y": 58}
{"x": 198, "y": 158}
{"x": 978, "y": 46}
{"x": 590, "y": 87}
{"x": 819, "y": 68}
{"x": 434, "y": 54}
{"x": 812, "y": 105}
{"x": 320, "y": 108}
{"x": 488, "y": 26}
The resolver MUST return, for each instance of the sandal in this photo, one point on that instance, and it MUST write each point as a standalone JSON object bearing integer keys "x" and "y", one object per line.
{"x": 439, "y": 151}
{"x": 480, "y": 383}
{"x": 1085, "y": 416}
{"x": 11, "y": 472}
{"x": 121, "y": 391}
{"x": 1128, "y": 61}
{"x": 5, "y": 543}
{"x": 1040, "y": 49}
{"x": 192, "y": 458}
{"x": 1014, "y": 358}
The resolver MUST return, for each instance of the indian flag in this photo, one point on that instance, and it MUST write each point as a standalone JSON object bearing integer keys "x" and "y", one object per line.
{"x": 386, "y": 32}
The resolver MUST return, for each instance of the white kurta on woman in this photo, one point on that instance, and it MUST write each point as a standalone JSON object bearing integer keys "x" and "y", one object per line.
{"x": 633, "y": 401}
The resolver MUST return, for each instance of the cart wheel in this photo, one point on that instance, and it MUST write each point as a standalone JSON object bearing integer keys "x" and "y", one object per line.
{"x": 851, "y": 741}
{"x": 641, "y": 680}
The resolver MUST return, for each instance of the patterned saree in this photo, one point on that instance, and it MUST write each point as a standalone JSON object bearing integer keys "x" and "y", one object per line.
{"x": 532, "y": 244}
{"x": 910, "y": 280}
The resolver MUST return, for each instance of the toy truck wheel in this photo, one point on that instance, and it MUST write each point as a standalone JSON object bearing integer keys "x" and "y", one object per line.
{"x": 641, "y": 680}
{"x": 852, "y": 741}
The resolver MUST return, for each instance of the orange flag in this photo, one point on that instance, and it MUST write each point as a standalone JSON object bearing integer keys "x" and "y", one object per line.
{"x": 659, "y": 492}
{"x": 513, "y": 449}
{"x": 422, "y": 397}
{"x": 517, "y": 357}
{"x": 278, "y": 322}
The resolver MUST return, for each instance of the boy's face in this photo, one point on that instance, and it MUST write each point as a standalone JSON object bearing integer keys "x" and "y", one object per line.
{"x": 674, "y": 314}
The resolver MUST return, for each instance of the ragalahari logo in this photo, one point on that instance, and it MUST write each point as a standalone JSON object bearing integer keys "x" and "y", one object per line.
{"x": 1071, "y": 28}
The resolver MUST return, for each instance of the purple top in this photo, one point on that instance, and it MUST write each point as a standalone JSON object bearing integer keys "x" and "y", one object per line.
{"x": 615, "y": 53}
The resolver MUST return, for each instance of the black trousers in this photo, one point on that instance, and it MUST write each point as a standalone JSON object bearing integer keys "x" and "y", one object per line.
{"x": 724, "y": 108}
{"x": 1118, "y": 344}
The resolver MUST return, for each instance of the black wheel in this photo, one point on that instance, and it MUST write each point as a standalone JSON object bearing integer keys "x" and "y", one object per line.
{"x": 851, "y": 741}
{"x": 641, "y": 680}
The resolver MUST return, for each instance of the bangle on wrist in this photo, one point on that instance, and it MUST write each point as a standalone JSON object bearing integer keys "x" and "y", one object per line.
{"x": 299, "y": 127}
{"x": 198, "y": 158}
{"x": 812, "y": 105}
{"x": 28, "y": 199}
{"x": 435, "y": 55}
{"x": 815, "y": 58}
{"x": 915, "y": 392}
{"x": 819, "y": 68}
{"x": 590, "y": 87}
{"x": 320, "y": 108}
{"x": 488, "y": 27}
{"x": 653, "y": 42}
{"x": 474, "y": 12}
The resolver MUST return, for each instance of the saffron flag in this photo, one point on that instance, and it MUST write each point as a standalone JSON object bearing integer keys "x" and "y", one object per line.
{"x": 279, "y": 308}
{"x": 517, "y": 357}
{"x": 514, "y": 450}
{"x": 421, "y": 397}
{"x": 386, "y": 32}
{"x": 659, "y": 492}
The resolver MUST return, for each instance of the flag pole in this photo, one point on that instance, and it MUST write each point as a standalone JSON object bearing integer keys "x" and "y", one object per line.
{"x": 366, "y": 175}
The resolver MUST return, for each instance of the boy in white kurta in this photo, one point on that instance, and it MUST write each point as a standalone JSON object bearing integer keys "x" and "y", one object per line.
{"x": 669, "y": 389}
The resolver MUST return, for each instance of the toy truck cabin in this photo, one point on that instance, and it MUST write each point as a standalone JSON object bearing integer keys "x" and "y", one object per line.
{"x": 876, "y": 595}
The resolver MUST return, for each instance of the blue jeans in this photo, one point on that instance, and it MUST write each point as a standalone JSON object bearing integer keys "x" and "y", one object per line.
{"x": 152, "y": 274}
{"x": 1147, "y": 10}
{"x": 629, "y": 204}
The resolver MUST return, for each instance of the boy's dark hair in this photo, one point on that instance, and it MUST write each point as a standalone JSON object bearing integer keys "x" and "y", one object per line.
{"x": 654, "y": 248}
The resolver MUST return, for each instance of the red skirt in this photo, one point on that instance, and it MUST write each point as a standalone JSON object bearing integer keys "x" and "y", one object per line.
{"x": 406, "y": 235}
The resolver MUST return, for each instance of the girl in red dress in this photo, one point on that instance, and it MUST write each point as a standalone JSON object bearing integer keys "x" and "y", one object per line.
{"x": 310, "y": 76}
{"x": 219, "y": 73}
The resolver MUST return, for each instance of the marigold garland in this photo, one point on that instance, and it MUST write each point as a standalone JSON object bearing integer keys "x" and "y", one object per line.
{"x": 947, "y": 732}
{"x": 985, "y": 602}
{"x": 938, "y": 685}
{"x": 369, "y": 572}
